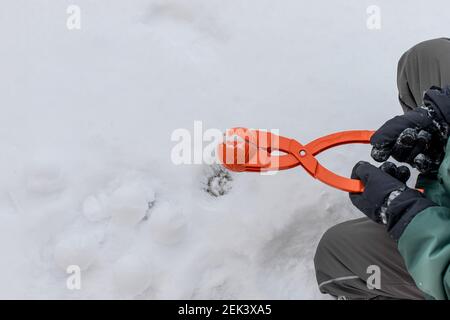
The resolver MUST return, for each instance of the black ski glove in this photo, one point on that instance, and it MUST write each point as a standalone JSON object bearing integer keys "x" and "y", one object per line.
{"x": 386, "y": 199}
{"x": 418, "y": 137}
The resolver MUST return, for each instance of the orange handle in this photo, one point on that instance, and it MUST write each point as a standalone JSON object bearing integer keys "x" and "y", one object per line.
{"x": 309, "y": 162}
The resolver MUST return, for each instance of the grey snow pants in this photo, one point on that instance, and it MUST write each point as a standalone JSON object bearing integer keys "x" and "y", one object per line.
{"x": 344, "y": 255}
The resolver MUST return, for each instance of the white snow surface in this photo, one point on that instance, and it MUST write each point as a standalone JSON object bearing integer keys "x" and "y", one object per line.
{"x": 85, "y": 171}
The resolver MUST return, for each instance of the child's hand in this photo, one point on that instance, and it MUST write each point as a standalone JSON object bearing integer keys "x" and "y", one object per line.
{"x": 418, "y": 137}
{"x": 386, "y": 199}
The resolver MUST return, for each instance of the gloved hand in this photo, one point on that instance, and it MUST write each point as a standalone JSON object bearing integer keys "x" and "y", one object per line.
{"x": 386, "y": 199}
{"x": 418, "y": 137}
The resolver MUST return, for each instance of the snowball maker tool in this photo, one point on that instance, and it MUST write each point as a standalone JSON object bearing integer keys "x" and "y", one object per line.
{"x": 252, "y": 151}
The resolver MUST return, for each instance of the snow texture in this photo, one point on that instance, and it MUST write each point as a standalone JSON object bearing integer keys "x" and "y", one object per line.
{"x": 85, "y": 170}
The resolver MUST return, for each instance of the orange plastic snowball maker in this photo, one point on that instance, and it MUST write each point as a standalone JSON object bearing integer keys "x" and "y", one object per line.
{"x": 251, "y": 150}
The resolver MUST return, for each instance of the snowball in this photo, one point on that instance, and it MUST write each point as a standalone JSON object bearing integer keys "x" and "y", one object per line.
{"x": 44, "y": 178}
{"x": 131, "y": 276}
{"x": 93, "y": 209}
{"x": 76, "y": 250}
{"x": 167, "y": 224}
{"x": 129, "y": 203}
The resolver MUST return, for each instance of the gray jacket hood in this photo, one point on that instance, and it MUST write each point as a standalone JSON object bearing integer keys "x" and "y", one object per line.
{"x": 424, "y": 65}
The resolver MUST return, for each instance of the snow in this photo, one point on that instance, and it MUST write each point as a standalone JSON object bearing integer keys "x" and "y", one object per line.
{"x": 87, "y": 116}
{"x": 131, "y": 276}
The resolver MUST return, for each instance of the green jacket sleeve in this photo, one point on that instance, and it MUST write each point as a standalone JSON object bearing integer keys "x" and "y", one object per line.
{"x": 425, "y": 247}
{"x": 425, "y": 243}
